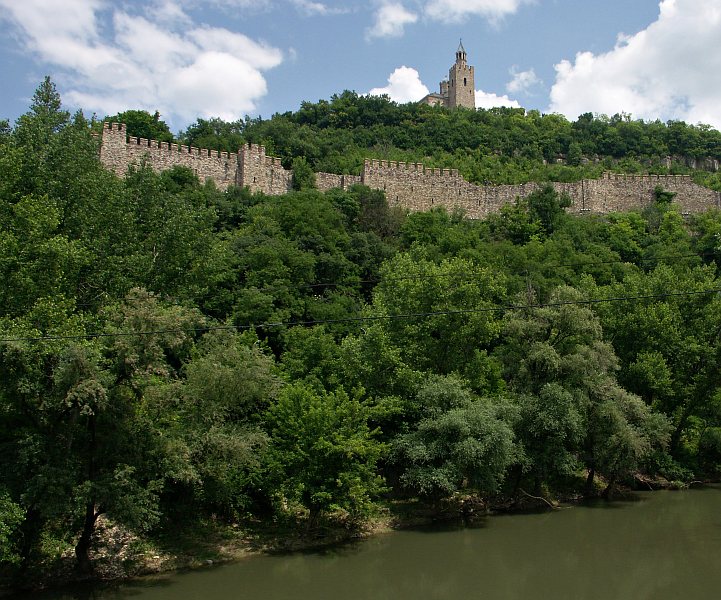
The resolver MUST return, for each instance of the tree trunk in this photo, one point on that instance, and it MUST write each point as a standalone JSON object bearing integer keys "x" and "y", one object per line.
{"x": 518, "y": 475}
{"x": 82, "y": 548}
{"x": 29, "y": 536}
{"x": 313, "y": 517}
{"x": 589, "y": 481}
{"x": 680, "y": 426}
{"x": 608, "y": 492}
{"x": 537, "y": 485}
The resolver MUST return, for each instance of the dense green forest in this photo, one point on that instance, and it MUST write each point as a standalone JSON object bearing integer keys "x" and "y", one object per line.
{"x": 170, "y": 352}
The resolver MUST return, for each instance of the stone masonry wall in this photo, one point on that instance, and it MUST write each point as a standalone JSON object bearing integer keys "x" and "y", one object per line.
{"x": 408, "y": 185}
{"x": 118, "y": 152}
{"x": 262, "y": 173}
{"x": 328, "y": 181}
{"x": 412, "y": 186}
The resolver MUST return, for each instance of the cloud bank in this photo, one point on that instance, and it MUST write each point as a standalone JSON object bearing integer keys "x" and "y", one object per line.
{"x": 522, "y": 82}
{"x": 453, "y": 11}
{"x": 660, "y": 72}
{"x": 491, "y": 100}
{"x": 404, "y": 85}
{"x": 108, "y": 59}
{"x": 392, "y": 16}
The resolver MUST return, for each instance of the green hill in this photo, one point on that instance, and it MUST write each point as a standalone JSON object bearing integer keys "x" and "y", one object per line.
{"x": 173, "y": 355}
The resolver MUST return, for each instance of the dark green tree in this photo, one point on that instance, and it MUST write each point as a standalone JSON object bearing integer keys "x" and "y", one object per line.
{"x": 303, "y": 175}
{"x": 461, "y": 441}
{"x": 140, "y": 123}
{"x": 323, "y": 455}
{"x": 570, "y": 401}
{"x": 11, "y": 516}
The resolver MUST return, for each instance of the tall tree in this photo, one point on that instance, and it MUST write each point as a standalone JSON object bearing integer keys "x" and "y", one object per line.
{"x": 571, "y": 404}
{"x": 323, "y": 455}
{"x": 140, "y": 123}
{"x": 461, "y": 441}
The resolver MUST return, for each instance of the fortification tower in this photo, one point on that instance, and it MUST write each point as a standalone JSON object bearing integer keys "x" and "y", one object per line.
{"x": 461, "y": 83}
{"x": 114, "y": 149}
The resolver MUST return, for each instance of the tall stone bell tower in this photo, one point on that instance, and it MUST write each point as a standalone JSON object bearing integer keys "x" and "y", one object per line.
{"x": 461, "y": 83}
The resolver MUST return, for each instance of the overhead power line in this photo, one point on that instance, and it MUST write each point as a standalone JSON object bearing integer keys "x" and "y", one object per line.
{"x": 356, "y": 319}
{"x": 592, "y": 263}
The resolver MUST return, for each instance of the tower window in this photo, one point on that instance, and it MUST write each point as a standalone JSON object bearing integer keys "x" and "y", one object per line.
{"x": 464, "y": 82}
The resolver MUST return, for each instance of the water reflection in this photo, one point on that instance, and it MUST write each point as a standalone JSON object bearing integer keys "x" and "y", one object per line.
{"x": 664, "y": 546}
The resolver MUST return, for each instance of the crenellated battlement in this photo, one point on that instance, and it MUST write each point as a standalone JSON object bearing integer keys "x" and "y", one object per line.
{"x": 644, "y": 177}
{"x": 177, "y": 148}
{"x": 119, "y": 127}
{"x": 118, "y": 151}
{"x": 409, "y": 185}
{"x": 416, "y": 187}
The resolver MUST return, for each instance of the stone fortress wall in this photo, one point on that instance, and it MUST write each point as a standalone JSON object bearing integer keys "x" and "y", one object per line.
{"x": 409, "y": 185}
{"x": 118, "y": 152}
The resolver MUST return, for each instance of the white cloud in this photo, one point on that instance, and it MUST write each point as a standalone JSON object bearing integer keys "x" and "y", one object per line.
{"x": 404, "y": 85}
{"x": 391, "y": 16}
{"x": 255, "y": 5}
{"x": 51, "y": 22}
{"x": 491, "y": 100}
{"x": 307, "y": 7}
{"x": 236, "y": 44}
{"x": 666, "y": 71}
{"x": 522, "y": 81}
{"x": 452, "y": 11}
{"x": 311, "y": 8}
{"x": 390, "y": 20}
{"x": 178, "y": 67}
{"x": 167, "y": 11}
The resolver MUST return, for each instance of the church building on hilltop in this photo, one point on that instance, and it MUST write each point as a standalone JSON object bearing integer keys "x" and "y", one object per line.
{"x": 459, "y": 89}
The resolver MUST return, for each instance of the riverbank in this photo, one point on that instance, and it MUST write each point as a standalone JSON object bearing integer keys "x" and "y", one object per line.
{"x": 118, "y": 555}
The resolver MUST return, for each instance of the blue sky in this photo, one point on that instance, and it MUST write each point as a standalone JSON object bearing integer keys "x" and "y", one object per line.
{"x": 228, "y": 58}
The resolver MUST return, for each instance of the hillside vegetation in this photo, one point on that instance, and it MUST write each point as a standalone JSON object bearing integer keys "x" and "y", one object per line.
{"x": 171, "y": 353}
{"x": 500, "y": 145}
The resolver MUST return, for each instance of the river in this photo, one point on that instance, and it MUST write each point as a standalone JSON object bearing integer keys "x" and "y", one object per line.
{"x": 663, "y": 545}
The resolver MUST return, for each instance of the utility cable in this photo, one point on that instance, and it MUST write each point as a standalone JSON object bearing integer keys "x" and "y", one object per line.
{"x": 507, "y": 307}
{"x": 471, "y": 273}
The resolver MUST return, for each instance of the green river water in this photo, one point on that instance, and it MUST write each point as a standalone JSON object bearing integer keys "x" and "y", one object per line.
{"x": 664, "y": 545}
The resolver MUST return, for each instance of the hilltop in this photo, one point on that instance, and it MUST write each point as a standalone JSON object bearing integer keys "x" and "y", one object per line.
{"x": 501, "y": 145}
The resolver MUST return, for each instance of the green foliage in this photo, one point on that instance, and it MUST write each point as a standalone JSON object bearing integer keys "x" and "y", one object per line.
{"x": 447, "y": 323}
{"x": 515, "y": 223}
{"x": 547, "y": 208}
{"x": 532, "y": 218}
{"x": 500, "y": 145}
{"x": 215, "y": 134}
{"x": 461, "y": 441}
{"x": 575, "y": 154}
{"x": 303, "y": 174}
{"x": 570, "y": 401}
{"x": 140, "y": 123}
{"x": 228, "y": 385}
{"x": 676, "y": 338}
{"x": 707, "y": 238}
{"x": 323, "y": 454}
{"x": 11, "y": 516}
{"x": 710, "y": 450}
{"x": 169, "y": 351}
{"x": 662, "y": 196}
